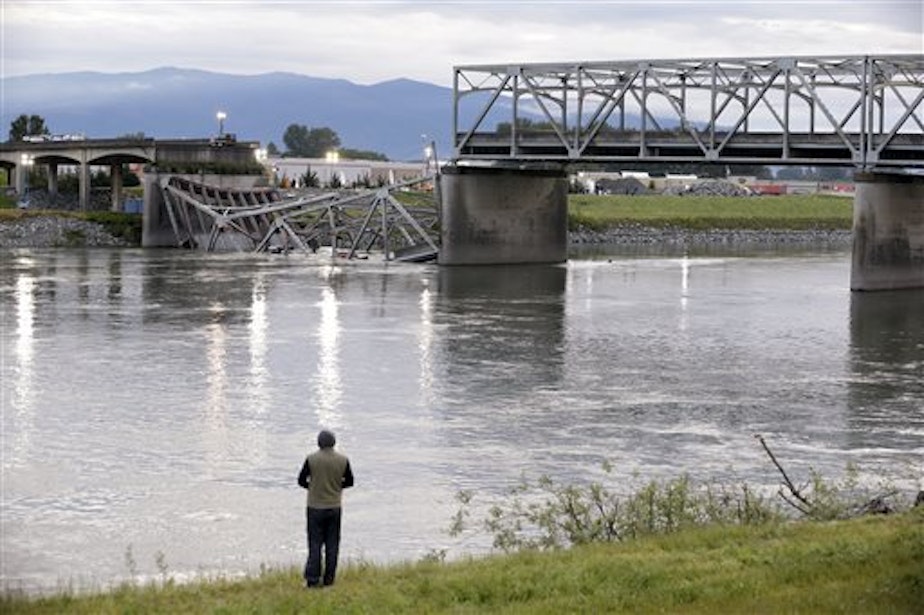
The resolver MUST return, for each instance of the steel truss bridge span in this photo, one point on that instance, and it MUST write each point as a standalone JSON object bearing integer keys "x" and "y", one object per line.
{"x": 862, "y": 111}
{"x": 350, "y": 224}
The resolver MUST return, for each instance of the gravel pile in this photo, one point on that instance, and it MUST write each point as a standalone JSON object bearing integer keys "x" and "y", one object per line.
{"x": 708, "y": 187}
{"x": 625, "y": 185}
{"x": 55, "y": 232}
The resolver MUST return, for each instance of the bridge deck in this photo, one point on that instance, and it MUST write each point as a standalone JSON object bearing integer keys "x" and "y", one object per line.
{"x": 675, "y": 146}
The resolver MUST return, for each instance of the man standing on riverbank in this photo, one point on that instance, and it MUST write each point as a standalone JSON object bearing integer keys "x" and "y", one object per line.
{"x": 325, "y": 474}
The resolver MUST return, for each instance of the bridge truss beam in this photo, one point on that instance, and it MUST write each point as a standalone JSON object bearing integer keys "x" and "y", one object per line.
{"x": 864, "y": 111}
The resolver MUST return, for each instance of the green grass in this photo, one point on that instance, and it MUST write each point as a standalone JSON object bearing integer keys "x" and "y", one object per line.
{"x": 866, "y": 565}
{"x": 794, "y": 212}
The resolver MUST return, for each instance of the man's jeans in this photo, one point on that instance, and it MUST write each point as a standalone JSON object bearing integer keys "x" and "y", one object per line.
{"x": 323, "y": 528}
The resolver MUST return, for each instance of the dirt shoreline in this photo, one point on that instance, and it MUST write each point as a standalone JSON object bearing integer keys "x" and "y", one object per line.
{"x": 642, "y": 235}
{"x": 57, "y": 232}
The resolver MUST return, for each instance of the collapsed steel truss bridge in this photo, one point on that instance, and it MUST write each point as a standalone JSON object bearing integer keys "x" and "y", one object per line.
{"x": 864, "y": 111}
{"x": 352, "y": 224}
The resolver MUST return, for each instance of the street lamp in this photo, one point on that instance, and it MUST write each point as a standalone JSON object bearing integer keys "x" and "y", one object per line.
{"x": 430, "y": 156}
{"x": 221, "y": 116}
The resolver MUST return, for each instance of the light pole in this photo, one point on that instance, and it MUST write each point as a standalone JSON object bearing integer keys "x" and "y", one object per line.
{"x": 262, "y": 159}
{"x": 221, "y": 116}
{"x": 430, "y": 156}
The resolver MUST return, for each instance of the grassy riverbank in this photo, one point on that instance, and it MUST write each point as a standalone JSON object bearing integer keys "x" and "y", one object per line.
{"x": 794, "y": 212}
{"x": 873, "y": 564}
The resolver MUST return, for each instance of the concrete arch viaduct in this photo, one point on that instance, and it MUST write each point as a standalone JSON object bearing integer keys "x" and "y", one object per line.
{"x": 83, "y": 154}
{"x": 55, "y": 152}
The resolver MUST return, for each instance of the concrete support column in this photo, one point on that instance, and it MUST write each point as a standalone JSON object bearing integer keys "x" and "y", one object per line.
{"x": 83, "y": 176}
{"x": 52, "y": 171}
{"x": 888, "y": 232}
{"x": 156, "y": 229}
{"x": 495, "y": 216}
{"x": 20, "y": 180}
{"x": 115, "y": 181}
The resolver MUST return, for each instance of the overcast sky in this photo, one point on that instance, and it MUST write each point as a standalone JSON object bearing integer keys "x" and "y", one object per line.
{"x": 372, "y": 41}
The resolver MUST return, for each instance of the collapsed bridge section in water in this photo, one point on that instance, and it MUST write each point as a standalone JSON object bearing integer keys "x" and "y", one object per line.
{"x": 401, "y": 221}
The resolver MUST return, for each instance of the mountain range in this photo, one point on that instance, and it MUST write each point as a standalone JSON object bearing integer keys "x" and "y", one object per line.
{"x": 397, "y": 118}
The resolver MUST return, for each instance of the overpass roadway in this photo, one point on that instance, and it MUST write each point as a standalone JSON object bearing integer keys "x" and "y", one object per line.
{"x": 17, "y": 158}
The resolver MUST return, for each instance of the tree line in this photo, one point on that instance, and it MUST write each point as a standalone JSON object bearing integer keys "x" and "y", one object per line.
{"x": 304, "y": 142}
{"x": 27, "y": 126}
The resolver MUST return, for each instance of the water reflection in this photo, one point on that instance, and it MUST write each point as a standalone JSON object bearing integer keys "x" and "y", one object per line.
{"x": 259, "y": 374}
{"x": 425, "y": 338}
{"x": 114, "y": 292}
{"x": 701, "y": 247}
{"x": 887, "y": 362}
{"x": 503, "y": 358}
{"x": 216, "y": 417}
{"x": 327, "y": 386}
{"x": 83, "y": 281}
{"x": 176, "y": 289}
{"x": 23, "y": 385}
{"x": 501, "y": 319}
{"x": 684, "y": 291}
{"x": 25, "y": 319}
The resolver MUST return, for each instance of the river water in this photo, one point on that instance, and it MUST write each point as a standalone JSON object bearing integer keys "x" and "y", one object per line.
{"x": 157, "y": 405}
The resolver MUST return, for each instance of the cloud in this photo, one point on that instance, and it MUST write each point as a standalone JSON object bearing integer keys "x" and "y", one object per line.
{"x": 378, "y": 40}
{"x": 137, "y": 85}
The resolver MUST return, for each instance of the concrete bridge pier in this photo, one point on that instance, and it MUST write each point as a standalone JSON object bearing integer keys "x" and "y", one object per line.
{"x": 83, "y": 181}
{"x": 52, "y": 179}
{"x": 155, "y": 232}
{"x": 888, "y": 232}
{"x": 115, "y": 182}
{"x": 499, "y": 216}
{"x": 21, "y": 177}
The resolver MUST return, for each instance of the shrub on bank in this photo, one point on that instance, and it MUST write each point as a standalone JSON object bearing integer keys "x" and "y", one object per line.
{"x": 120, "y": 225}
{"x": 544, "y": 514}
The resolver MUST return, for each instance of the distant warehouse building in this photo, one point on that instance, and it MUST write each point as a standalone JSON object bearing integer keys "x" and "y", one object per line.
{"x": 293, "y": 171}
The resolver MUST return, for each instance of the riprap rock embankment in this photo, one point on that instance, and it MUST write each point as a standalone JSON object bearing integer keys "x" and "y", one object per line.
{"x": 55, "y": 232}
